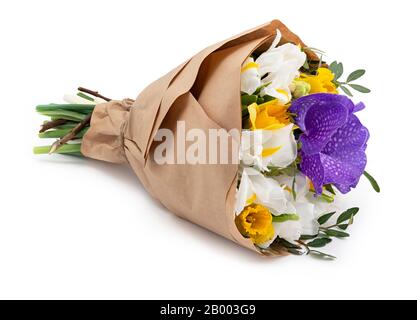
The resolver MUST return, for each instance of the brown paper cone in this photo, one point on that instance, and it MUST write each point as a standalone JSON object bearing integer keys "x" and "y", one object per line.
{"x": 205, "y": 93}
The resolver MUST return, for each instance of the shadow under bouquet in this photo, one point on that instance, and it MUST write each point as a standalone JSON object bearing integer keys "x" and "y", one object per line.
{"x": 251, "y": 138}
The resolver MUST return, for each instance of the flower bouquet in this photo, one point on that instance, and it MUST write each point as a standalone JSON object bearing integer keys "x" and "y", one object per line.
{"x": 251, "y": 138}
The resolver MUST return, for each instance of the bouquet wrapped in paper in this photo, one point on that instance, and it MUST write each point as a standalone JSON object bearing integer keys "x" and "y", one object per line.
{"x": 250, "y": 138}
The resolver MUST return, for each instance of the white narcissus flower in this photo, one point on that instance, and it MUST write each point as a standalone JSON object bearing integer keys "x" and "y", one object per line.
{"x": 256, "y": 188}
{"x": 263, "y": 148}
{"x": 250, "y": 79}
{"x": 278, "y": 66}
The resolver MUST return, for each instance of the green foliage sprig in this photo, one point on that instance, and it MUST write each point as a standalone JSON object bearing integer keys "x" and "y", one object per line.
{"x": 338, "y": 69}
{"x": 324, "y": 237}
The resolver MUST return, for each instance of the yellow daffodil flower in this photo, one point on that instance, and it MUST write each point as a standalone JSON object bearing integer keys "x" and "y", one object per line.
{"x": 268, "y": 116}
{"x": 255, "y": 222}
{"x": 321, "y": 82}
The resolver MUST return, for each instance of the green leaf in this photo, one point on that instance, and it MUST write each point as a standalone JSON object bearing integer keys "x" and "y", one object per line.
{"x": 346, "y": 90}
{"x": 372, "y": 181}
{"x": 336, "y": 233}
{"x": 347, "y": 215}
{"x": 306, "y": 65}
{"x": 307, "y": 237}
{"x": 319, "y": 243}
{"x": 322, "y": 255}
{"x": 333, "y": 67}
{"x": 285, "y": 217}
{"x": 247, "y": 100}
{"x": 343, "y": 226}
{"x": 359, "y": 88}
{"x": 355, "y": 75}
{"x": 339, "y": 71}
{"x": 326, "y": 217}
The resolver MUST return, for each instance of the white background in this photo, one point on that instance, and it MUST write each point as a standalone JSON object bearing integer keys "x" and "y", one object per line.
{"x": 76, "y": 228}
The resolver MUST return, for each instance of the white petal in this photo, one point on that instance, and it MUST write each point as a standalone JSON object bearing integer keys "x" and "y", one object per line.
{"x": 250, "y": 153}
{"x": 289, "y": 230}
{"x": 268, "y": 191}
{"x": 250, "y": 79}
{"x": 244, "y": 193}
{"x": 272, "y": 91}
{"x": 285, "y": 140}
{"x": 276, "y": 40}
{"x": 309, "y": 224}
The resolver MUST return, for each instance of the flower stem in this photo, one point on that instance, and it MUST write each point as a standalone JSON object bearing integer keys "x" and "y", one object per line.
{"x": 71, "y": 134}
{"x": 60, "y": 133}
{"x": 66, "y": 149}
{"x": 63, "y": 114}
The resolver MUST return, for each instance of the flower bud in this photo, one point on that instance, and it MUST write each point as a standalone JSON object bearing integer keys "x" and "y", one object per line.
{"x": 300, "y": 88}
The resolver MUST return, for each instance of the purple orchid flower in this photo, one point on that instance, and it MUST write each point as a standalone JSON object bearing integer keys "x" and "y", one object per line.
{"x": 333, "y": 141}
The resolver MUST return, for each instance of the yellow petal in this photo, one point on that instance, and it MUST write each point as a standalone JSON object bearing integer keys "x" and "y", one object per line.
{"x": 270, "y": 151}
{"x": 250, "y": 65}
{"x": 270, "y": 115}
{"x": 321, "y": 82}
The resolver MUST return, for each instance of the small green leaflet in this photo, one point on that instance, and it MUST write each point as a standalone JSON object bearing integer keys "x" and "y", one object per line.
{"x": 307, "y": 237}
{"x": 336, "y": 233}
{"x": 285, "y": 217}
{"x": 347, "y": 91}
{"x": 355, "y": 75}
{"x": 343, "y": 226}
{"x": 372, "y": 181}
{"x": 347, "y": 215}
{"x": 322, "y": 255}
{"x": 359, "y": 88}
{"x": 326, "y": 217}
{"x": 337, "y": 69}
{"x": 319, "y": 243}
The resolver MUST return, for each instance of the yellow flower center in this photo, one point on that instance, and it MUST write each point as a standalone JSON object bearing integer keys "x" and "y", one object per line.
{"x": 250, "y": 65}
{"x": 270, "y": 115}
{"x": 321, "y": 82}
{"x": 255, "y": 222}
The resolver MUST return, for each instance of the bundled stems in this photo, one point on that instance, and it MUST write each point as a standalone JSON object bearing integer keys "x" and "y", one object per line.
{"x": 70, "y": 121}
{"x": 71, "y": 135}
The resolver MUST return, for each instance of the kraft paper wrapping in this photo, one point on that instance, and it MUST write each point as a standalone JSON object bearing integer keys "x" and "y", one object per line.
{"x": 205, "y": 93}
